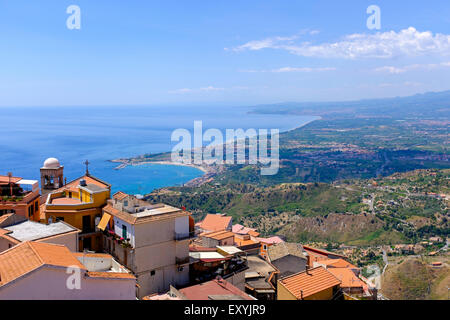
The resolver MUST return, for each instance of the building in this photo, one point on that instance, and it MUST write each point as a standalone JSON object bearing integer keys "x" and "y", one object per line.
{"x": 240, "y": 229}
{"x": 350, "y": 283}
{"x": 151, "y": 240}
{"x": 19, "y": 196}
{"x": 288, "y": 258}
{"x": 79, "y": 203}
{"x": 320, "y": 254}
{"x": 56, "y": 233}
{"x": 336, "y": 263}
{"x": 228, "y": 262}
{"x": 217, "y": 289}
{"x": 218, "y": 238}
{"x": 43, "y": 271}
{"x": 215, "y": 222}
{"x": 247, "y": 243}
{"x": 312, "y": 284}
{"x": 261, "y": 278}
{"x": 265, "y": 243}
{"x": 52, "y": 175}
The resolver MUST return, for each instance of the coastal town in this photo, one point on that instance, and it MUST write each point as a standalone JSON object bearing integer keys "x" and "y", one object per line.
{"x": 85, "y": 242}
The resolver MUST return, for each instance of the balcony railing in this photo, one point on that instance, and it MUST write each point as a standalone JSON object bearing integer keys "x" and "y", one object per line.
{"x": 184, "y": 236}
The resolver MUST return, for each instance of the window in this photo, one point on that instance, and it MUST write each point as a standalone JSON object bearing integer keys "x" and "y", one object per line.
{"x": 125, "y": 203}
{"x": 70, "y": 194}
{"x": 152, "y": 273}
{"x": 87, "y": 224}
{"x": 124, "y": 231}
{"x": 264, "y": 246}
{"x": 36, "y": 206}
{"x": 59, "y": 219}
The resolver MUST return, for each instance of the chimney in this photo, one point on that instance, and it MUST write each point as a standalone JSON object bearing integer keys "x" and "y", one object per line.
{"x": 308, "y": 261}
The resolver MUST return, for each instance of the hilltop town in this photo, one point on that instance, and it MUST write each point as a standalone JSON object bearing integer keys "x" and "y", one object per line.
{"x": 127, "y": 247}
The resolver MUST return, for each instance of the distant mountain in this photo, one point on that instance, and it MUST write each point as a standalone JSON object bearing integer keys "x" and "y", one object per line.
{"x": 432, "y": 105}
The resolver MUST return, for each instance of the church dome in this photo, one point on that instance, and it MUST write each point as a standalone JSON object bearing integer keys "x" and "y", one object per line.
{"x": 52, "y": 163}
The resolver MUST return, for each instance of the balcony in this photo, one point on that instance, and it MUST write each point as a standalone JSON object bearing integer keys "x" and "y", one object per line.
{"x": 184, "y": 236}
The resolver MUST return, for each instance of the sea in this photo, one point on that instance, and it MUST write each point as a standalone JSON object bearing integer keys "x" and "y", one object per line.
{"x": 30, "y": 135}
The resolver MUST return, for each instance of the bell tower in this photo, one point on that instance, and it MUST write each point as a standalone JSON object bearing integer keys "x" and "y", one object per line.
{"x": 52, "y": 175}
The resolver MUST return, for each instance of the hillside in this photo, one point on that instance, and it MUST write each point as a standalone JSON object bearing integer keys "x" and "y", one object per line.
{"x": 416, "y": 279}
{"x": 390, "y": 210}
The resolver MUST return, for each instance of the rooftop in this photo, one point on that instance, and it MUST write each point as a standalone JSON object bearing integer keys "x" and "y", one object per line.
{"x": 240, "y": 229}
{"x": 30, "y": 230}
{"x": 308, "y": 283}
{"x": 283, "y": 249}
{"x": 29, "y": 256}
{"x": 347, "y": 277}
{"x": 271, "y": 240}
{"x": 65, "y": 201}
{"x": 218, "y": 235}
{"x": 215, "y": 222}
{"x": 336, "y": 263}
{"x": 150, "y": 213}
{"x": 214, "y": 290}
{"x": 229, "y": 249}
{"x": 258, "y": 273}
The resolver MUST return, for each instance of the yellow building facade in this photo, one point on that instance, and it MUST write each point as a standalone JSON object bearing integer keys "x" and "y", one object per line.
{"x": 79, "y": 203}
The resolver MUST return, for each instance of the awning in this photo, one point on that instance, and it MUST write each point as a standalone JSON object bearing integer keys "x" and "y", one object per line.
{"x": 104, "y": 221}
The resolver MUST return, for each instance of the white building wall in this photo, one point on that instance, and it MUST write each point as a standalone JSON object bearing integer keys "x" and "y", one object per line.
{"x": 182, "y": 225}
{"x": 51, "y": 284}
{"x": 118, "y": 227}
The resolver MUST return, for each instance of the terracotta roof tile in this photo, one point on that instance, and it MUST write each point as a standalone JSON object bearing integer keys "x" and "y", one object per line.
{"x": 215, "y": 222}
{"x": 347, "y": 277}
{"x": 337, "y": 263}
{"x": 219, "y": 235}
{"x": 111, "y": 275}
{"x": 307, "y": 283}
{"x": 29, "y": 256}
{"x": 120, "y": 195}
{"x": 215, "y": 287}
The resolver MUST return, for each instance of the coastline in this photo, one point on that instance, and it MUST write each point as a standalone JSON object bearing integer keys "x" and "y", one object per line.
{"x": 208, "y": 171}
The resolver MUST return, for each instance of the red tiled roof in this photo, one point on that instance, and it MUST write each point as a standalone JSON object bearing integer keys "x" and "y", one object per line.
{"x": 29, "y": 256}
{"x": 120, "y": 195}
{"x": 271, "y": 240}
{"x": 6, "y": 179}
{"x": 347, "y": 277}
{"x": 89, "y": 180}
{"x": 337, "y": 263}
{"x": 214, "y": 287}
{"x": 215, "y": 222}
{"x": 308, "y": 283}
{"x": 219, "y": 235}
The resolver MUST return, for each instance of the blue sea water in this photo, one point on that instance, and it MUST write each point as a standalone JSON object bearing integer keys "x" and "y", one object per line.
{"x": 29, "y": 135}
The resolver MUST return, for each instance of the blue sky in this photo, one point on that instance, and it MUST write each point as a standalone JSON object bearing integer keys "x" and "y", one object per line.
{"x": 203, "y": 52}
